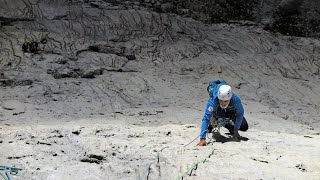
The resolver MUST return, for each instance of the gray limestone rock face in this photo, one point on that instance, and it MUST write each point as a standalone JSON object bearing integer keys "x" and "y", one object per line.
{"x": 15, "y": 107}
{"x": 100, "y": 57}
{"x": 122, "y": 69}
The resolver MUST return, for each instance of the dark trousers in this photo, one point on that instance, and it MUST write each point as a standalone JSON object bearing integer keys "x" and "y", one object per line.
{"x": 244, "y": 125}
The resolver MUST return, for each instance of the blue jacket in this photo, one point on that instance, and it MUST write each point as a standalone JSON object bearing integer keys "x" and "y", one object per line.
{"x": 212, "y": 106}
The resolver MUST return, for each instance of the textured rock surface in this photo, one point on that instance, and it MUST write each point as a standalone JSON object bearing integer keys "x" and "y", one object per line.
{"x": 140, "y": 64}
{"x": 112, "y": 57}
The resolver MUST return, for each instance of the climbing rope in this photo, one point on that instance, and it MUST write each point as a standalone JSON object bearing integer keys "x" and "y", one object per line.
{"x": 195, "y": 138}
{"x": 216, "y": 128}
{"x": 220, "y": 122}
{"x": 194, "y": 166}
{"x": 156, "y": 160}
{"x": 11, "y": 170}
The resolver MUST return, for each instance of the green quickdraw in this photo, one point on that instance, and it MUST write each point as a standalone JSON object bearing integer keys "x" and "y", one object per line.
{"x": 220, "y": 122}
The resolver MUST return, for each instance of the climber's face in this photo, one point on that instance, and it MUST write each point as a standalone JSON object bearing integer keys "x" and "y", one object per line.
{"x": 224, "y": 104}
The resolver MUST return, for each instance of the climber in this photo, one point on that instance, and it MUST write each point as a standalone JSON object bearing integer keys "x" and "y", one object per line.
{"x": 223, "y": 103}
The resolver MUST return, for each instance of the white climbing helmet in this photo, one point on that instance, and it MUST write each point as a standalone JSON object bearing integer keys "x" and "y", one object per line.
{"x": 224, "y": 93}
